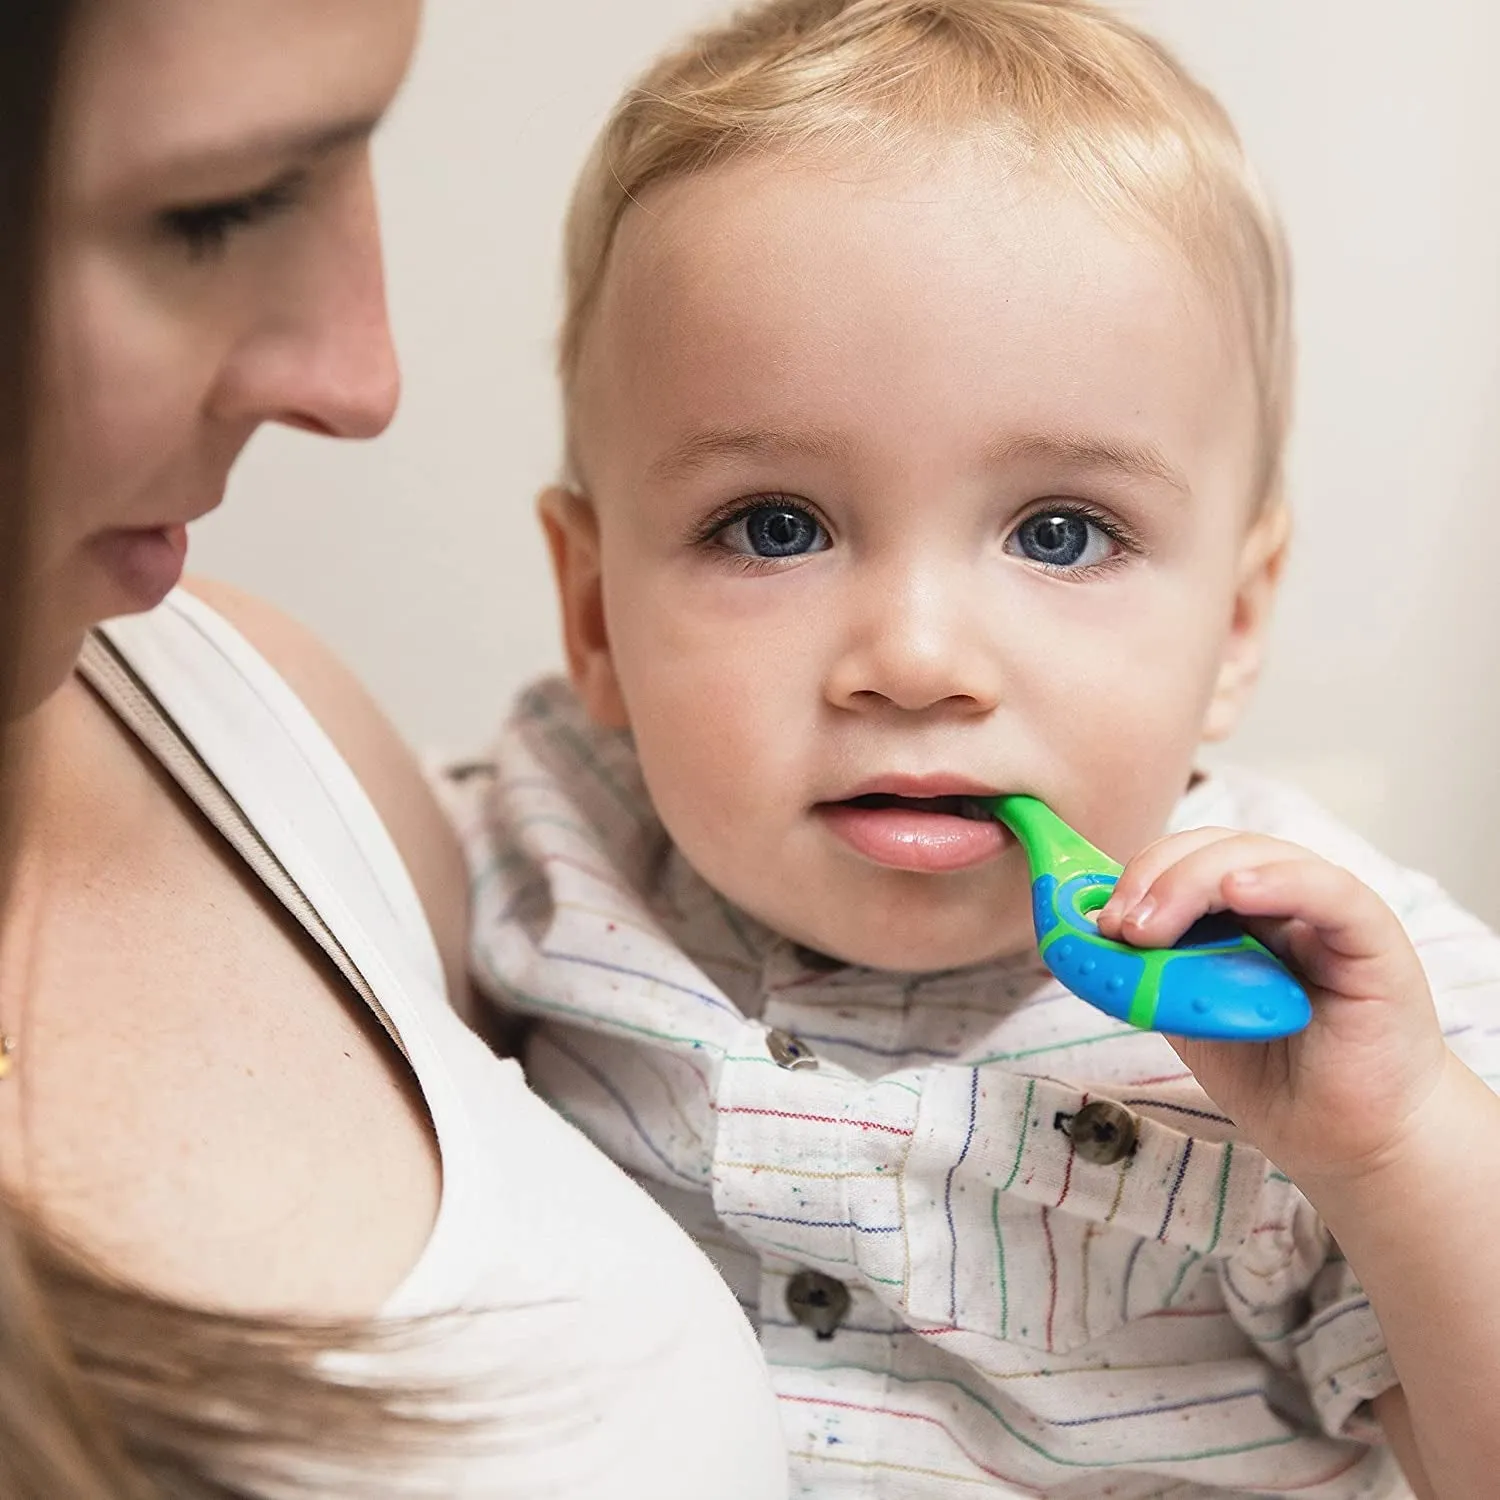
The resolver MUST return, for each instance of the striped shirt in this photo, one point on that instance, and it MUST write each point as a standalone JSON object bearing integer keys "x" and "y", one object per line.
{"x": 1023, "y": 1317}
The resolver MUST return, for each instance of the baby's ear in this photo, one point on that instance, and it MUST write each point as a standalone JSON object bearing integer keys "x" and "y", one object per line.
{"x": 572, "y": 530}
{"x": 1262, "y": 558}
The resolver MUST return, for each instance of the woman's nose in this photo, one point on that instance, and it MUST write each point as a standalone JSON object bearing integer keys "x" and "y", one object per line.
{"x": 320, "y": 355}
{"x": 918, "y": 642}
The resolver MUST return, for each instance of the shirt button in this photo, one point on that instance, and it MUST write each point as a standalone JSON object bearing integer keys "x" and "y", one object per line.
{"x": 788, "y": 1052}
{"x": 1103, "y": 1132}
{"x": 817, "y": 1301}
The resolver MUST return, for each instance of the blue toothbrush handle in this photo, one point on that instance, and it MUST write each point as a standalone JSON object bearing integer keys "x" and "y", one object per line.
{"x": 1216, "y": 983}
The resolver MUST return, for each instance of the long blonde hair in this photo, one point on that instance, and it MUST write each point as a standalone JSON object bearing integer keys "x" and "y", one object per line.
{"x": 1061, "y": 84}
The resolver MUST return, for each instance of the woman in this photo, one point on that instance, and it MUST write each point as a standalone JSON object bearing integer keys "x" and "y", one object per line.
{"x": 324, "y": 1238}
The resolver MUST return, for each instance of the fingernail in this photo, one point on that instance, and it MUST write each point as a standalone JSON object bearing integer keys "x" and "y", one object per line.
{"x": 1142, "y": 912}
{"x": 1243, "y": 878}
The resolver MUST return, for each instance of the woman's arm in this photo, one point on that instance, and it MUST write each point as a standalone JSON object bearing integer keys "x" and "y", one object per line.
{"x": 379, "y": 758}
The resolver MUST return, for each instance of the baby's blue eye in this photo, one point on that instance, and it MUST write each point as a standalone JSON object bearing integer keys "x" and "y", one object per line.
{"x": 774, "y": 531}
{"x": 1062, "y": 539}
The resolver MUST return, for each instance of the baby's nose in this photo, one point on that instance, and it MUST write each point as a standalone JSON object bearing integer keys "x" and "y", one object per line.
{"x": 917, "y": 645}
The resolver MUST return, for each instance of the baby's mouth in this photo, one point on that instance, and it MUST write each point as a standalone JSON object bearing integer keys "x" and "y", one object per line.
{"x": 927, "y": 835}
{"x": 975, "y": 809}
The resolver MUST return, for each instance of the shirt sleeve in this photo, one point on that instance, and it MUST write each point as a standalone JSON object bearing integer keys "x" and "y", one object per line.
{"x": 1341, "y": 1354}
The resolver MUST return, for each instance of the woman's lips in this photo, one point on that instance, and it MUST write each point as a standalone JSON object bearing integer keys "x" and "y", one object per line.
{"x": 147, "y": 565}
{"x": 896, "y": 833}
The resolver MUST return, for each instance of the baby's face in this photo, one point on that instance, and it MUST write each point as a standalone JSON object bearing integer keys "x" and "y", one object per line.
{"x": 901, "y": 490}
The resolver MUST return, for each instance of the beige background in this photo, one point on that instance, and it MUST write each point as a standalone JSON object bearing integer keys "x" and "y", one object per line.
{"x": 1377, "y": 125}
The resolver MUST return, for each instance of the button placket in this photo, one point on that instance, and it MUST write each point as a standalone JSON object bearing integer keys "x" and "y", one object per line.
{"x": 807, "y": 1161}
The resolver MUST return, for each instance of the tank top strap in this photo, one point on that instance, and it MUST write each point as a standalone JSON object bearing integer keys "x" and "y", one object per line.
{"x": 271, "y": 756}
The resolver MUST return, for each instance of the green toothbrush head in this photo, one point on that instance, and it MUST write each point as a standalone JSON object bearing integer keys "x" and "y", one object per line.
{"x": 1050, "y": 844}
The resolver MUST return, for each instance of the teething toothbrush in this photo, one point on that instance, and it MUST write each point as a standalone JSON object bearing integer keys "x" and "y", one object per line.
{"x": 1217, "y": 982}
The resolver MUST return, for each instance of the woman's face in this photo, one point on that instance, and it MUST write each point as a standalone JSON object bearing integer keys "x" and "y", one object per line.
{"x": 214, "y": 264}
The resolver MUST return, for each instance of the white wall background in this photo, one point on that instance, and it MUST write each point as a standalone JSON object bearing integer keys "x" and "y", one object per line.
{"x": 1377, "y": 125}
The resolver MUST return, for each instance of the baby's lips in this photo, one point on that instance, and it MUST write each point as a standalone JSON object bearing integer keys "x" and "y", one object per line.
{"x": 899, "y": 836}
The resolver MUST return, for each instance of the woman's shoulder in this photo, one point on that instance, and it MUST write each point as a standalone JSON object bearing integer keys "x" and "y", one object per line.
{"x": 380, "y": 759}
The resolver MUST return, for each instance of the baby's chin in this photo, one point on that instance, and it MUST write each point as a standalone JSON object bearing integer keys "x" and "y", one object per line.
{"x": 916, "y": 949}
{"x": 896, "y": 921}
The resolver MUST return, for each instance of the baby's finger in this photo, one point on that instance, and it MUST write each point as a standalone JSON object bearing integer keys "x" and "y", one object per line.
{"x": 1337, "y": 913}
{"x": 1198, "y": 883}
{"x": 1146, "y": 867}
{"x": 1292, "y": 940}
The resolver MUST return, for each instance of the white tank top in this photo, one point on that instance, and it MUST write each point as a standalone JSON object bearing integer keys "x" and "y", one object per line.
{"x": 602, "y": 1352}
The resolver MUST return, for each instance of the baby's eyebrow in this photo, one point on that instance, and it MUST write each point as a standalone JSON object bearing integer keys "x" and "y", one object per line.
{"x": 1082, "y": 451}
{"x": 1134, "y": 460}
{"x": 701, "y": 448}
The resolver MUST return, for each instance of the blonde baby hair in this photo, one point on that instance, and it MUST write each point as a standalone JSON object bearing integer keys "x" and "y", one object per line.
{"x": 1055, "y": 84}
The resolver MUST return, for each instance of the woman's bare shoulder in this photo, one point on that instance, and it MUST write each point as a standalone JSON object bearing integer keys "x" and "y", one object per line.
{"x": 380, "y": 759}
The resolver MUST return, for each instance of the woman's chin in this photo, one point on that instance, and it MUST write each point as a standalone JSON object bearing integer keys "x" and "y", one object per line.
{"x": 118, "y": 573}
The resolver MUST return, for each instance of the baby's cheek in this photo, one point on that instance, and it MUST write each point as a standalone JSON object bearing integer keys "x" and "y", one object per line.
{"x": 703, "y": 754}
{"x": 1129, "y": 759}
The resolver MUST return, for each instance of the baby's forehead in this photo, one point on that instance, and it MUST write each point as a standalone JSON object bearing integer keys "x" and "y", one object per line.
{"x": 747, "y": 241}
{"x": 961, "y": 296}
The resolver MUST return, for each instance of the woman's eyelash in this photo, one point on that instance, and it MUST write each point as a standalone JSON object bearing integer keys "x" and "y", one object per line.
{"x": 205, "y": 228}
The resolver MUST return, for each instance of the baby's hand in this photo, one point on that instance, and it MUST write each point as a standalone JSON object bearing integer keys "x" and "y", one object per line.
{"x": 1331, "y": 1101}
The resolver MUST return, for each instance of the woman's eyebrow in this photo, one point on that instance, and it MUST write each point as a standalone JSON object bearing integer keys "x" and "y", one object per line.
{"x": 257, "y": 148}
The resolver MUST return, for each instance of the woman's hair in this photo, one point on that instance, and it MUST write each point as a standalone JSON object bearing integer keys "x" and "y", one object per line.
{"x": 32, "y": 34}
{"x": 1062, "y": 86}
{"x": 107, "y": 1392}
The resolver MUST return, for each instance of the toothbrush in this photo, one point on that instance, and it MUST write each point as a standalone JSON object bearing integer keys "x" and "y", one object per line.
{"x": 1217, "y": 982}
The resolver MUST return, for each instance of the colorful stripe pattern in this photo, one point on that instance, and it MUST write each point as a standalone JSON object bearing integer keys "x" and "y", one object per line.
{"x": 1022, "y": 1321}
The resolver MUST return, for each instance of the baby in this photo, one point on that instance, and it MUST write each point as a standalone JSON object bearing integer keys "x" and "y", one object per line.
{"x": 927, "y": 375}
